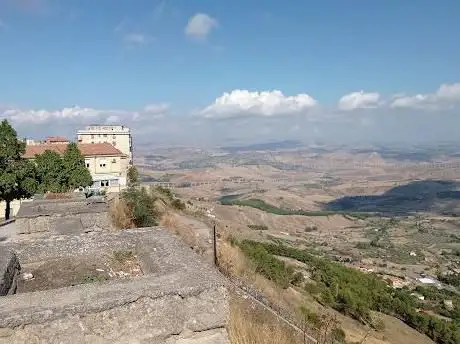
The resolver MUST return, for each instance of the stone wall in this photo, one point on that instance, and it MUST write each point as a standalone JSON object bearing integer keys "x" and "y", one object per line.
{"x": 178, "y": 299}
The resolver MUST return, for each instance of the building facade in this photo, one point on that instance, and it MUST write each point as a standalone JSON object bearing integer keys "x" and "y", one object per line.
{"x": 108, "y": 165}
{"x": 118, "y": 136}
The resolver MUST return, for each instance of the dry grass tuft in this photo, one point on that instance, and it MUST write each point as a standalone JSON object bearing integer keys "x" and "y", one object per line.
{"x": 120, "y": 214}
{"x": 169, "y": 221}
{"x": 249, "y": 325}
{"x": 58, "y": 195}
{"x": 233, "y": 261}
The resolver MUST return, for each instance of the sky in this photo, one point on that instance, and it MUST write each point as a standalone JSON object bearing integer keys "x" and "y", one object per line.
{"x": 214, "y": 71}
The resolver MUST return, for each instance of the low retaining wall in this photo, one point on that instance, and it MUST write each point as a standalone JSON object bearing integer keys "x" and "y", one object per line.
{"x": 64, "y": 224}
{"x": 63, "y": 216}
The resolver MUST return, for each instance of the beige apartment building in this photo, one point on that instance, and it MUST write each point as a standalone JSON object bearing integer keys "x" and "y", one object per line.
{"x": 118, "y": 136}
{"x": 108, "y": 165}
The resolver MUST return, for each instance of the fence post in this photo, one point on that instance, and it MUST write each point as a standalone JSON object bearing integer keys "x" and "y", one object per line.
{"x": 214, "y": 244}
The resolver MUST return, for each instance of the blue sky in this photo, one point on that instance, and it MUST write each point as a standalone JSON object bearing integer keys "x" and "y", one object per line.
{"x": 142, "y": 62}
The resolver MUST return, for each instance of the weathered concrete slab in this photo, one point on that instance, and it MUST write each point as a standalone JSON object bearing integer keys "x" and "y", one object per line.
{"x": 61, "y": 206}
{"x": 63, "y": 216}
{"x": 179, "y": 299}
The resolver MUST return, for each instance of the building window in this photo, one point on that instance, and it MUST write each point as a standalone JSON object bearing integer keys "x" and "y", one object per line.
{"x": 92, "y": 136}
{"x": 113, "y": 136}
{"x": 92, "y": 142}
{"x": 104, "y": 183}
{"x": 114, "y": 161}
{"x": 114, "y": 143}
{"x": 102, "y": 164}
{"x": 87, "y": 164}
{"x": 105, "y": 135}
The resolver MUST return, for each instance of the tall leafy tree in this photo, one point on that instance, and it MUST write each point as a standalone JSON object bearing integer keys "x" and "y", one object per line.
{"x": 17, "y": 175}
{"x": 51, "y": 172}
{"x": 75, "y": 169}
{"x": 62, "y": 174}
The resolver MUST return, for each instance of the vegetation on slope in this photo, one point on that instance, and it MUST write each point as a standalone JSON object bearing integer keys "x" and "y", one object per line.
{"x": 355, "y": 293}
{"x": 269, "y": 208}
{"x": 137, "y": 206}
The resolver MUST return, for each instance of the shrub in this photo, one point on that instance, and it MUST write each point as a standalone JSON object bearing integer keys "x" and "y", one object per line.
{"x": 297, "y": 278}
{"x": 141, "y": 206}
{"x": 258, "y": 227}
{"x": 311, "y": 229}
{"x": 178, "y": 204}
{"x": 338, "y": 335}
{"x": 363, "y": 245}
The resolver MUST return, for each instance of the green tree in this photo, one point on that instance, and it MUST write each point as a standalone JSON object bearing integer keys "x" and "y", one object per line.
{"x": 62, "y": 174}
{"x": 51, "y": 172}
{"x": 133, "y": 177}
{"x": 74, "y": 167}
{"x": 17, "y": 175}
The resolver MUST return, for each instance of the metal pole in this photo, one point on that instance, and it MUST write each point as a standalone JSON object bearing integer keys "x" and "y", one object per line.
{"x": 214, "y": 243}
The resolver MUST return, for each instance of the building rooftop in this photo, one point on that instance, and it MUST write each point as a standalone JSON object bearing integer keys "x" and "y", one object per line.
{"x": 56, "y": 139}
{"x": 104, "y": 128}
{"x": 86, "y": 149}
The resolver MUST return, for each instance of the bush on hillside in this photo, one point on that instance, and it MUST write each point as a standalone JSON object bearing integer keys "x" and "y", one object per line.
{"x": 356, "y": 294}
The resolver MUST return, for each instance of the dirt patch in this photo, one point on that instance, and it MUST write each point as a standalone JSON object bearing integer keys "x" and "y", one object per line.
{"x": 67, "y": 272}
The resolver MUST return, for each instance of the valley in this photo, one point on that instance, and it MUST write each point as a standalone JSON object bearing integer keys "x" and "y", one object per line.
{"x": 385, "y": 216}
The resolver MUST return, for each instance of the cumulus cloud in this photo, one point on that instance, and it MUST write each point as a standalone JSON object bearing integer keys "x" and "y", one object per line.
{"x": 200, "y": 26}
{"x": 243, "y": 103}
{"x": 359, "y": 100}
{"x": 40, "y": 123}
{"x": 78, "y": 114}
{"x": 40, "y": 116}
{"x": 447, "y": 96}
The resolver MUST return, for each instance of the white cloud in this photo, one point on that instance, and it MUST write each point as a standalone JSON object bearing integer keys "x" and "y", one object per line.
{"x": 200, "y": 26}
{"x": 79, "y": 114}
{"x": 359, "y": 100}
{"x": 156, "y": 109}
{"x": 242, "y": 103}
{"x": 135, "y": 38}
{"x": 446, "y": 96}
{"x": 112, "y": 119}
{"x": 40, "y": 116}
{"x": 153, "y": 111}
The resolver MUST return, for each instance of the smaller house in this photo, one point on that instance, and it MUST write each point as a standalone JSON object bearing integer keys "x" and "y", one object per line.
{"x": 418, "y": 296}
{"x": 427, "y": 280}
{"x": 449, "y": 305}
{"x": 397, "y": 282}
